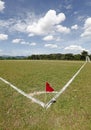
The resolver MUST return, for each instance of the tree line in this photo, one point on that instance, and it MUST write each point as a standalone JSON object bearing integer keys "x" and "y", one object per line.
{"x": 58, "y": 56}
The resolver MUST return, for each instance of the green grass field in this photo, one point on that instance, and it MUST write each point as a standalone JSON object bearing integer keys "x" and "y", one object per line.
{"x": 72, "y": 111}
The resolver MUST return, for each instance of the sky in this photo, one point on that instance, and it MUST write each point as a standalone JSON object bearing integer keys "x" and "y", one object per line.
{"x": 44, "y": 26}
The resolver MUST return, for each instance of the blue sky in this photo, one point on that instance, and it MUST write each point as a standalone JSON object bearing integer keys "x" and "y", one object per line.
{"x": 44, "y": 26}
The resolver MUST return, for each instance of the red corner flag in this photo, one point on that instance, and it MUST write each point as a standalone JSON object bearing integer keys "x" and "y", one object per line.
{"x": 49, "y": 88}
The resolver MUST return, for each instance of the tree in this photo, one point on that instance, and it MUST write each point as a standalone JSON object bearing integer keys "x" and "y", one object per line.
{"x": 77, "y": 57}
{"x": 69, "y": 56}
{"x": 83, "y": 55}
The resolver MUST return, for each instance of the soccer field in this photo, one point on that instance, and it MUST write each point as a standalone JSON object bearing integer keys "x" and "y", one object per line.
{"x": 72, "y": 110}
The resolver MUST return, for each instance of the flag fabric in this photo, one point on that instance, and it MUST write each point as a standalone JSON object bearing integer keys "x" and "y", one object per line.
{"x": 49, "y": 88}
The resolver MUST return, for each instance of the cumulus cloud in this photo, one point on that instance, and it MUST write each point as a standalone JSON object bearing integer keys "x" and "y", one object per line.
{"x": 2, "y": 5}
{"x": 46, "y": 23}
{"x": 74, "y": 48}
{"x": 48, "y": 38}
{"x": 3, "y": 36}
{"x": 62, "y": 29}
{"x": 87, "y": 28}
{"x": 17, "y": 40}
{"x": 51, "y": 45}
{"x": 74, "y": 27}
{"x": 21, "y": 41}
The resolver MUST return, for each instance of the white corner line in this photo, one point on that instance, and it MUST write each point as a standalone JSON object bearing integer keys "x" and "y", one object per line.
{"x": 64, "y": 88}
{"x": 42, "y": 92}
{"x": 23, "y": 93}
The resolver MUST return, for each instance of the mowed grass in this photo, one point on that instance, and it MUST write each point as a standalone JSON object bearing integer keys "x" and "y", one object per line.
{"x": 72, "y": 111}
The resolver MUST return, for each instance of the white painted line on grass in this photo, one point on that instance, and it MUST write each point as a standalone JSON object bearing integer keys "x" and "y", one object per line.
{"x": 64, "y": 88}
{"x": 23, "y": 93}
{"x": 41, "y": 92}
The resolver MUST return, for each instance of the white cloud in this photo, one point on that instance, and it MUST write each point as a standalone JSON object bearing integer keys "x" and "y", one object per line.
{"x": 15, "y": 24}
{"x": 6, "y": 23}
{"x": 33, "y": 44}
{"x": 48, "y": 38}
{"x": 31, "y": 35}
{"x": 87, "y": 28}
{"x": 17, "y": 40}
{"x": 74, "y": 27}
{"x": 2, "y": 5}
{"x": 21, "y": 41}
{"x": 3, "y": 37}
{"x": 46, "y": 23}
{"x": 19, "y": 26}
{"x": 27, "y": 43}
{"x": 51, "y": 45}
{"x": 49, "y": 24}
{"x": 62, "y": 29}
{"x": 75, "y": 48}
{"x": 24, "y": 42}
